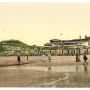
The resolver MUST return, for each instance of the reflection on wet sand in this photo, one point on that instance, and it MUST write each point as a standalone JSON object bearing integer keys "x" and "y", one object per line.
{"x": 76, "y": 68}
{"x": 53, "y": 68}
{"x": 85, "y": 67}
{"x": 49, "y": 68}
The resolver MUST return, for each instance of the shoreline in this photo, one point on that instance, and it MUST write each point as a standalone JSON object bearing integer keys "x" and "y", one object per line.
{"x": 16, "y": 63}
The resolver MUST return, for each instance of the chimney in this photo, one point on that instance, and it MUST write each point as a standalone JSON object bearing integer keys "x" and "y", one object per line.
{"x": 85, "y": 36}
{"x": 80, "y": 37}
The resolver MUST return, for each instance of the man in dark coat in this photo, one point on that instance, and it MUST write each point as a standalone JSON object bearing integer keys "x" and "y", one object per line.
{"x": 27, "y": 57}
{"x": 85, "y": 59}
{"x": 77, "y": 58}
{"x": 18, "y": 59}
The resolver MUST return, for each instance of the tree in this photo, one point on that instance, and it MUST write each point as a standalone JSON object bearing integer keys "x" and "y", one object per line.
{"x": 1, "y": 48}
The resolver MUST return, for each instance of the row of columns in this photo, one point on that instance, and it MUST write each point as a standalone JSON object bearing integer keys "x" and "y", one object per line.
{"x": 56, "y": 52}
{"x": 63, "y": 52}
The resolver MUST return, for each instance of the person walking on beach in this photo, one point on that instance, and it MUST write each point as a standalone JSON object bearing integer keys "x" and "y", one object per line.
{"x": 85, "y": 59}
{"x": 79, "y": 59}
{"x": 18, "y": 59}
{"x": 43, "y": 57}
{"x": 27, "y": 57}
{"x": 49, "y": 57}
{"x": 76, "y": 57}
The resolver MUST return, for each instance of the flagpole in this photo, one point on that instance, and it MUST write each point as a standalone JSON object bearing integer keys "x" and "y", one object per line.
{"x": 61, "y": 44}
{"x": 61, "y": 40}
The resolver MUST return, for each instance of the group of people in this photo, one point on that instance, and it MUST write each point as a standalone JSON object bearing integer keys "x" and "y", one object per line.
{"x": 77, "y": 58}
{"x": 18, "y": 58}
{"x": 84, "y": 58}
{"x": 49, "y": 58}
{"x": 45, "y": 59}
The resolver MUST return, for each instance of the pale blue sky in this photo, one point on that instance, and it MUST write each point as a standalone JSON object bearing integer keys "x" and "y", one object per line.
{"x": 37, "y": 23}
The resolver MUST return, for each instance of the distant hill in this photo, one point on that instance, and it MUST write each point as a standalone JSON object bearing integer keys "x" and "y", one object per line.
{"x": 23, "y": 45}
{"x": 13, "y": 42}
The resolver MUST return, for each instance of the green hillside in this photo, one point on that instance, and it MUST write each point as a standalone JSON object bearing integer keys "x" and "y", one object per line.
{"x": 12, "y": 42}
{"x": 23, "y": 45}
{"x": 17, "y": 43}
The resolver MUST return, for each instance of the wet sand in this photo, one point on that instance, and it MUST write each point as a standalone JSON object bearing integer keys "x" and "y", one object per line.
{"x": 62, "y": 71}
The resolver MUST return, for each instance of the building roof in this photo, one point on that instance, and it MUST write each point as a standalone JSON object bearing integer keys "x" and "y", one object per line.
{"x": 80, "y": 39}
{"x": 47, "y": 44}
{"x": 68, "y": 40}
{"x": 88, "y": 37}
{"x": 55, "y": 40}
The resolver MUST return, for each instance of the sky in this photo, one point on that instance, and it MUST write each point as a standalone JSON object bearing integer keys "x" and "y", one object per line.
{"x": 35, "y": 23}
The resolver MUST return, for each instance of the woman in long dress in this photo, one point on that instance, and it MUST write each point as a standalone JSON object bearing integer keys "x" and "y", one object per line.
{"x": 43, "y": 57}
